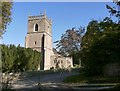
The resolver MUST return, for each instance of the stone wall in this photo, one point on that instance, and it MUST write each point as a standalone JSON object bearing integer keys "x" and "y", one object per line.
{"x": 58, "y": 61}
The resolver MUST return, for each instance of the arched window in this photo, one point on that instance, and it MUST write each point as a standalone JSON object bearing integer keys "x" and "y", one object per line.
{"x": 36, "y": 27}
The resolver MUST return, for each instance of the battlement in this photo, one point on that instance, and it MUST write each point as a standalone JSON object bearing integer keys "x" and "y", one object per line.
{"x": 35, "y": 17}
{"x": 31, "y": 18}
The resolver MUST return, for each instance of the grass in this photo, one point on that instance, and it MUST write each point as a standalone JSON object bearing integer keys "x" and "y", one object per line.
{"x": 97, "y": 79}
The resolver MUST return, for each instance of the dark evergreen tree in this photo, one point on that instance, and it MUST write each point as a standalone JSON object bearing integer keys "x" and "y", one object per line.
{"x": 17, "y": 59}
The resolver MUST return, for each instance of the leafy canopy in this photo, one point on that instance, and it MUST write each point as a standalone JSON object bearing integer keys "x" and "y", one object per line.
{"x": 70, "y": 41}
{"x": 5, "y": 15}
{"x": 100, "y": 46}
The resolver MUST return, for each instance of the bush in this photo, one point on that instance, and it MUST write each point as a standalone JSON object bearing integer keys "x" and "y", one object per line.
{"x": 100, "y": 46}
{"x": 15, "y": 59}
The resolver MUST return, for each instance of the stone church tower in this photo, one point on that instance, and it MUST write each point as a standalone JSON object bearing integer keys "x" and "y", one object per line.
{"x": 39, "y": 37}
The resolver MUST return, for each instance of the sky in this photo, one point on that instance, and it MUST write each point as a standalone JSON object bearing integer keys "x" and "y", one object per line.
{"x": 65, "y": 15}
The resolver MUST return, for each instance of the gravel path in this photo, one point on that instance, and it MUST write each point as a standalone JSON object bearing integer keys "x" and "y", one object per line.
{"x": 33, "y": 81}
{"x": 51, "y": 82}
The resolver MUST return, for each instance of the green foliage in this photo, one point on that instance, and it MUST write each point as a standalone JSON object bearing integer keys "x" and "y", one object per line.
{"x": 5, "y": 15}
{"x": 16, "y": 59}
{"x": 81, "y": 78}
{"x": 76, "y": 58}
{"x": 114, "y": 11}
{"x": 100, "y": 46}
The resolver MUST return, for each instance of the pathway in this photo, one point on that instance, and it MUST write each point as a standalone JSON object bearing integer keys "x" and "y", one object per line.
{"x": 52, "y": 82}
{"x": 49, "y": 79}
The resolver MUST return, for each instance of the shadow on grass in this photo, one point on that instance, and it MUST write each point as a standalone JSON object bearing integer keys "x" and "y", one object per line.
{"x": 96, "y": 79}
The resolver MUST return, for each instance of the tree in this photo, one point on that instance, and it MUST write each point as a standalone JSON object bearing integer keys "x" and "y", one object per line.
{"x": 5, "y": 15}
{"x": 16, "y": 59}
{"x": 69, "y": 44}
{"x": 89, "y": 37}
{"x": 20, "y": 61}
{"x": 100, "y": 46}
{"x": 113, "y": 11}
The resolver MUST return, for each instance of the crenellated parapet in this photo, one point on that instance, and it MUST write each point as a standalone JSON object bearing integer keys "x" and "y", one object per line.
{"x": 40, "y": 17}
{"x": 35, "y": 17}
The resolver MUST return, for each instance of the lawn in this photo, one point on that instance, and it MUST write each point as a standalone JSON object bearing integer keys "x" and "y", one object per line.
{"x": 98, "y": 80}
{"x": 95, "y": 79}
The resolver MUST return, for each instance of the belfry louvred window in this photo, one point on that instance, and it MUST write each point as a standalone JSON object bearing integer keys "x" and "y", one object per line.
{"x": 36, "y": 27}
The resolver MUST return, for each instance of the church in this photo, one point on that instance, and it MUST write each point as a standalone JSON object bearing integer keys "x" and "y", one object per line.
{"x": 39, "y": 38}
